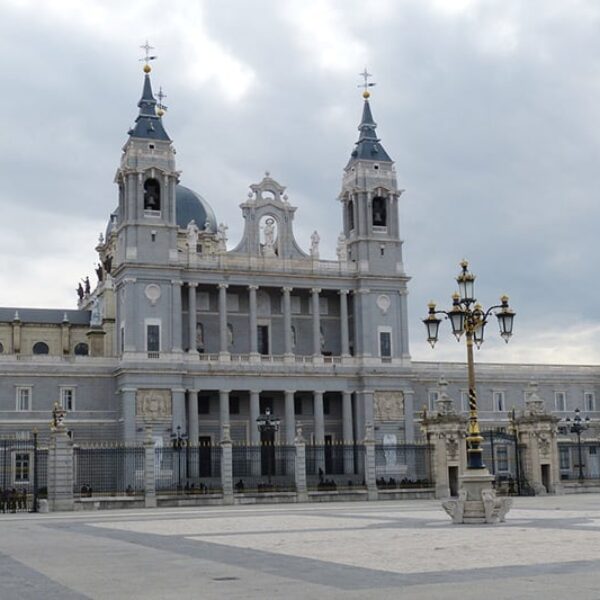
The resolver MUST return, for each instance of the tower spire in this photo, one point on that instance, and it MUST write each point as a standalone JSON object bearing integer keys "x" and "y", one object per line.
{"x": 368, "y": 146}
{"x": 148, "y": 124}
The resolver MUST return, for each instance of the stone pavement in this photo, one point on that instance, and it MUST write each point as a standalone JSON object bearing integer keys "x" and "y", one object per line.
{"x": 549, "y": 548}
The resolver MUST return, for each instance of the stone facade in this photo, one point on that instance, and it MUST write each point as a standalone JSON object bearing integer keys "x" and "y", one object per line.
{"x": 178, "y": 331}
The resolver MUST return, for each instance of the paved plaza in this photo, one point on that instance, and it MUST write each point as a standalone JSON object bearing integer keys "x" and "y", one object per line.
{"x": 549, "y": 548}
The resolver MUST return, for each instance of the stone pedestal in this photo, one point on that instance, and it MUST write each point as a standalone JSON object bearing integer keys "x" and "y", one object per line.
{"x": 149, "y": 470}
{"x": 477, "y": 502}
{"x": 300, "y": 466}
{"x": 370, "y": 472}
{"x": 227, "y": 465}
{"x": 60, "y": 469}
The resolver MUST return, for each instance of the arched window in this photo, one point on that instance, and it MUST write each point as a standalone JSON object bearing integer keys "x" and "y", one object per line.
{"x": 40, "y": 348}
{"x": 151, "y": 194}
{"x": 350, "y": 214}
{"x": 81, "y": 349}
{"x": 379, "y": 212}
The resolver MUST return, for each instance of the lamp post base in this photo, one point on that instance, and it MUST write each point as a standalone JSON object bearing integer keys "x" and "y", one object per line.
{"x": 477, "y": 502}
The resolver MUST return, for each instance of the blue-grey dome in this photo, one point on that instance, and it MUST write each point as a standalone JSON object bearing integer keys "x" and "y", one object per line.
{"x": 189, "y": 205}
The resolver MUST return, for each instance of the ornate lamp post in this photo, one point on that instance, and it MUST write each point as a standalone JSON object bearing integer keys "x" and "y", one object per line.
{"x": 178, "y": 440}
{"x": 468, "y": 317}
{"x": 268, "y": 425}
{"x": 578, "y": 426}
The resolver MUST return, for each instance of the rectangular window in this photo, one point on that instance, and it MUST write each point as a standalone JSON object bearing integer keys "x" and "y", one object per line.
{"x": 433, "y": 398}
{"x": 589, "y": 401}
{"x": 264, "y": 404}
{"x": 499, "y": 404}
{"x": 233, "y": 303}
{"x": 502, "y": 458}
{"x": 297, "y": 406}
{"x": 202, "y": 301}
{"x": 560, "y": 401}
{"x": 23, "y": 398}
{"x": 234, "y": 405}
{"x": 564, "y": 458}
{"x": 385, "y": 344}
{"x": 326, "y": 405}
{"x": 593, "y": 450}
{"x": 153, "y": 338}
{"x": 203, "y": 405}
{"x": 324, "y": 305}
{"x": 22, "y": 463}
{"x": 67, "y": 398}
{"x": 296, "y": 305}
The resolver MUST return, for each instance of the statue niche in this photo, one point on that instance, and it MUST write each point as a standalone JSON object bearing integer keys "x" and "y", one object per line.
{"x": 151, "y": 194}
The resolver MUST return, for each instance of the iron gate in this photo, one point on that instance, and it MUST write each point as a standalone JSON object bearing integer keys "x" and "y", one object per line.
{"x": 502, "y": 457}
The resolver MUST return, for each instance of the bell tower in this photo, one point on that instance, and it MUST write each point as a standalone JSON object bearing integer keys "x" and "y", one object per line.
{"x": 369, "y": 199}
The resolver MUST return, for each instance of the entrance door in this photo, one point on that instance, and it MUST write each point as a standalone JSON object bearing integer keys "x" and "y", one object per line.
{"x": 267, "y": 453}
{"x": 263, "y": 339}
{"x": 546, "y": 477}
{"x": 204, "y": 456}
{"x": 453, "y": 480}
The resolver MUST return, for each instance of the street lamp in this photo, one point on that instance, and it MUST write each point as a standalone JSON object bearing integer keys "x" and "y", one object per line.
{"x": 268, "y": 425}
{"x": 468, "y": 317}
{"x": 578, "y": 426}
{"x": 178, "y": 441}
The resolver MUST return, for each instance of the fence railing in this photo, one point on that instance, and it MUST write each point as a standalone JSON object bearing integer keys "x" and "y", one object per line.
{"x": 403, "y": 465}
{"x": 108, "y": 470}
{"x": 264, "y": 468}
{"x": 330, "y": 467}
{"x": 579, "y": 461}
{"x": 188, "y": 469}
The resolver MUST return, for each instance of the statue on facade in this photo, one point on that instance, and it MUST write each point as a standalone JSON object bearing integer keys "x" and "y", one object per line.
{"x": 222, "y": 236}
{"x": 315, "y": 238}
{"x": 107, "y": 264}
{"x": 192, "y": 235}
{"x": 342, "y": 248}
{"x": 269, "y": 232}
{"x": 86, "y": 284}
{"x": 80, "y": 292}
{"x": 99, "y": 272}
{"x": 96, "y": 316}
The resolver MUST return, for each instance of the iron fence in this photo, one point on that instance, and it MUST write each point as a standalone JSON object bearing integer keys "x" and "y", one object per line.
{"x": 264, "y": 468}
{"x": 188, "y": 469}
{"x": 579, "y": 461}
{"x": 330, "y": 467}
{"x": 403, "y": 465}
{"x": 111, "y": 470}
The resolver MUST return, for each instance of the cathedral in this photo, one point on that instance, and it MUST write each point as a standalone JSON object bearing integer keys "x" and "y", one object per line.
{"x": 185, "y": 335}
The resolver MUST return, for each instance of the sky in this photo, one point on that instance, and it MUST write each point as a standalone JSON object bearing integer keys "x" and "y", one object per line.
{"x": 490, "y": 109}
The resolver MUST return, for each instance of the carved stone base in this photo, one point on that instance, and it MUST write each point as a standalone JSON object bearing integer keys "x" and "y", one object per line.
{"x": 477, "y": 502}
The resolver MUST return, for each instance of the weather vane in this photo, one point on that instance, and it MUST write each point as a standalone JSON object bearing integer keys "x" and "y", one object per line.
{"x": 146, "y": 48}
{"x": 367, "y": 84}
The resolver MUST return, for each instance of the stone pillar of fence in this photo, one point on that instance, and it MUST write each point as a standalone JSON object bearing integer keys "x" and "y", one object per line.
{"x": 227, "y": 464}
{"x": 149, "y": 470}
{"x": 60, "y": 463}
{"x": 370, "y": 473}
{"x": 300, "y": 466}
{"x": 536, "y": 431}
{"x": 445, "y": 430}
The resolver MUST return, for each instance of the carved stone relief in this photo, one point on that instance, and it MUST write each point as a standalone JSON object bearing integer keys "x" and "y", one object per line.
{"x": 153, "y": 404}
{"x": 389, "y": 406}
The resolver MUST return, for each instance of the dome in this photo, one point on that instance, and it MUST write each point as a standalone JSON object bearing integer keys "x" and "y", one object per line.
{"x": 190, "y": 205}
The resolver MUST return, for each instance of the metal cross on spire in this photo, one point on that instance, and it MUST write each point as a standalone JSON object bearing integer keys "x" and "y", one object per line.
{"x": 161, "y": 95}
{"x": 146, "y": 48}
{"x": 367, "y": 84}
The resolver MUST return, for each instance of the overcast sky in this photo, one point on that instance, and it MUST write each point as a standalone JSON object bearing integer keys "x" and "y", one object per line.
{"x": 491, "y": 110}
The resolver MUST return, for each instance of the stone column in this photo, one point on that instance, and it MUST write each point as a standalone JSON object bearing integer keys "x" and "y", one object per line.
{"x": 344, "y": 323}
{"x": 224, "y": 342}
{"x": 192, "y": 317}
{"x": 370, "y": 473}
{"x": 254, "y": 414}
{"x": 149, "y": 470}
{"x": 176, "y": 322}
{"x": 300, "y": 466}
{"x": 347, "y": 431}
{"x": 128, "y": 398}
{"x": 178, "y": 395}
{"x": 60, "y": 469}
{"x": 226, "y": 465}
{"x": 193, "y": 431}
{"x": 319, "y": 418}
{"x": 224, "y": 408}
{"x": 129, "y": 301}
{"x": 290, "y": 418}
{"x": 316, "y": 320}
{"x": 253, "y": 333}
{"x": 287, "y": 323}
